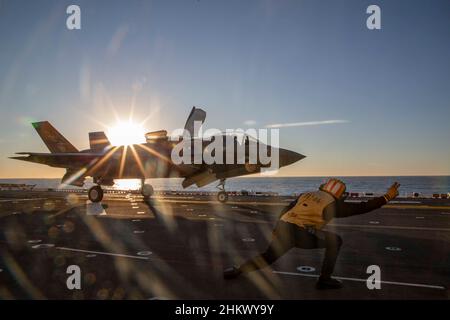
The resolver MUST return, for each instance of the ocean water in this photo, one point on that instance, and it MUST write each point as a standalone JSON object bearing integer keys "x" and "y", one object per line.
{"x": 425, "y": 185}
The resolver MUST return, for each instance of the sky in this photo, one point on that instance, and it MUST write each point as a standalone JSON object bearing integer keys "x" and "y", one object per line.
{"x": 246, "y": 63}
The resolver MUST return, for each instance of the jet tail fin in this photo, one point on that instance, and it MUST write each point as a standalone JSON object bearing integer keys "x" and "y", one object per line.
{"x": 98, "y": 141}
{"x": 196, "y": 115}
{"x": 54, "y": 140}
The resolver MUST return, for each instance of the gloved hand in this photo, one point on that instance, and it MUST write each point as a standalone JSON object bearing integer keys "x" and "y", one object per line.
{"x": 392, "y": 192}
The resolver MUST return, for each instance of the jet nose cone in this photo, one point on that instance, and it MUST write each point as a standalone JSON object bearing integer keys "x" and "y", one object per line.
{"x": 288, "y": 157}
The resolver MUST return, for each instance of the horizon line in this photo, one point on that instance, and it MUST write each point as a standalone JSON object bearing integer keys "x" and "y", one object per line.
{"x": 261, "y": 176}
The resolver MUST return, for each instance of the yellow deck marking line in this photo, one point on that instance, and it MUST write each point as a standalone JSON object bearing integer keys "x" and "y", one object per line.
{"x": 21, "y": 200}
{"x": 62, "y": 211}
{"x": 156, "y": 201}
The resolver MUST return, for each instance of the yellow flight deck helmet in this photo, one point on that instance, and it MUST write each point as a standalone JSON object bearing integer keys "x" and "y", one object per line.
{"x": 333, "y": 186}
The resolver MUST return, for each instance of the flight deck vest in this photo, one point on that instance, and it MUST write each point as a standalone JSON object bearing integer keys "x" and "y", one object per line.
{"x": 308, "y": 211}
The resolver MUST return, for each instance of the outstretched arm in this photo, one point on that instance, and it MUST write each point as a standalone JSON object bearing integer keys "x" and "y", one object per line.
{"x": 346, "y": 209}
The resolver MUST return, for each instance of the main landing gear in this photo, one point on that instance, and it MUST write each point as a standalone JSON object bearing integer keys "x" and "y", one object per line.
{"x": 222, "y": 196}
{"x": 146, "y": 189}
{"x": 95, "y": 193}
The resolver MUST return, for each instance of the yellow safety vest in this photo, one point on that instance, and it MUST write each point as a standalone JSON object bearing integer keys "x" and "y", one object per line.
{"x": 308, "y": 210}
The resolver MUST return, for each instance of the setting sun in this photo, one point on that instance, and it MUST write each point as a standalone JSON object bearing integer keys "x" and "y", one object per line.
{"x": 126, "y": 133}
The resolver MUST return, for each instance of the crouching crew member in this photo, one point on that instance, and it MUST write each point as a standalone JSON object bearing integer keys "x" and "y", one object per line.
{"x": 300, "y": 225}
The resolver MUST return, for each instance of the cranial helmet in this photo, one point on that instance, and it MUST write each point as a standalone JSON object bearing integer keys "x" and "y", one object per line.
{"x": 333, "y": 186}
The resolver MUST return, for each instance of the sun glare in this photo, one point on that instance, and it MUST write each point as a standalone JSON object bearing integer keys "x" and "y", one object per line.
{"x": 126, "y": 133}
{"x": 127, "y": 184}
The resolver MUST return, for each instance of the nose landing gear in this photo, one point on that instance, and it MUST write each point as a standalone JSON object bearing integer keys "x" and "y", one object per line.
{"x": 222, "y": 195}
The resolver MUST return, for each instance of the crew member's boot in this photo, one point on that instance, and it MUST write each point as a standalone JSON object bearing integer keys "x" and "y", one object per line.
{"x": 231, "y": 273}
{"x": 328, "y": 283}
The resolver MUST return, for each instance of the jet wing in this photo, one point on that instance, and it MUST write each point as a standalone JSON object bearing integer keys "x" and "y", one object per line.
{"x": 73, "y": 177}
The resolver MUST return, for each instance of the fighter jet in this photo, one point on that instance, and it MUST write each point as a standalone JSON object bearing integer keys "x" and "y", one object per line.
{"x": 152, "y": 159}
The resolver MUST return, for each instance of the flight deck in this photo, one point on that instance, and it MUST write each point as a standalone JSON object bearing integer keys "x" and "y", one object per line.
{"x": 175, "y": 246}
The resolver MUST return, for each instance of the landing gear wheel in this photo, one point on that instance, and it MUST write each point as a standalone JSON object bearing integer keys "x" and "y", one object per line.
{"x": 95, "y": 194}
{"x": 222, "y": 196}
{"x": 147, "y": 191}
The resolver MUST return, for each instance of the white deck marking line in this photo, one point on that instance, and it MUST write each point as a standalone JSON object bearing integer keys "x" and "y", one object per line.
{"x": 182, "y": 199}
{"x": 415, "y": 206}
{"x": 364, "y": 280}
{"x": 405, "y": 201}
{"x": 103, "y": 253}
{"x": 387, "y": 227}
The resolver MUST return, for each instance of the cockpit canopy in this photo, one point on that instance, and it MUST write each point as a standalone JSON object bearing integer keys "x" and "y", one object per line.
{"x": 156, "y": 135}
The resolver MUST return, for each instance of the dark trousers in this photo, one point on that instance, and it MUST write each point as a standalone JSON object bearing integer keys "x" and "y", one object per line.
{"x": 288, "y": 235}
